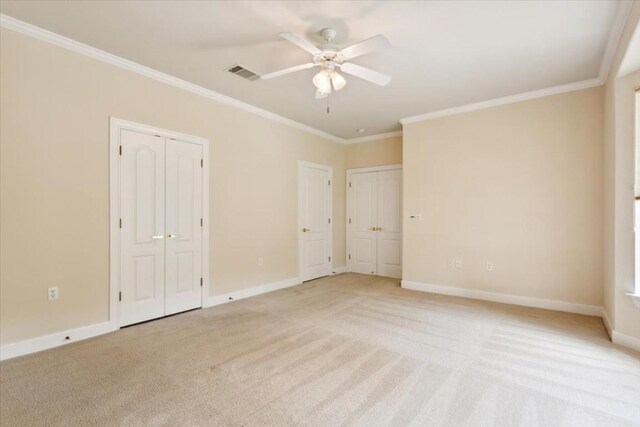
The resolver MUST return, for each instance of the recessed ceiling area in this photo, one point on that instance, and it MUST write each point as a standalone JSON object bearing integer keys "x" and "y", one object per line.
{"x": 442, "y": 54}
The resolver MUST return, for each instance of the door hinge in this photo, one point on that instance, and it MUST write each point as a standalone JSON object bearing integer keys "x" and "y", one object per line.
{"x": 349, "y": 256}
{"x": 120, "y": 150}
{"x": 349, "y": 220}
{"x": 119, "y": 296}
{"x": 349, "y": 184}
{"x": 201, "y": 163}
{"x": 329, "y": 259}
{"x": 201, "y": 222}
{"x": 328, "y": 220}
{"x": 329, "y": 182}
{"x": 201, "y": 282}
{"x": 120, "y": 223}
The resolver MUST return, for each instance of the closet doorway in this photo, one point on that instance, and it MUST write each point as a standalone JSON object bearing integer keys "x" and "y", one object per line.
{"x": 374, "y": 221}
{"x": 159, "y": 211}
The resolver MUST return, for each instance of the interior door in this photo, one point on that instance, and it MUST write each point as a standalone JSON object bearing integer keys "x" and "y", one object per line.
{"x": 183, "y": 251}
{"x": 142, "y": 207}
{"x": 364, "y": 220}
{"x": 314, "y": 222}
{"x": 390, "y": 223}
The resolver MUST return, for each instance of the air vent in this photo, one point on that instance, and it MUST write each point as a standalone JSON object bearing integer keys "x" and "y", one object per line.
{"x": 239, "y": 70}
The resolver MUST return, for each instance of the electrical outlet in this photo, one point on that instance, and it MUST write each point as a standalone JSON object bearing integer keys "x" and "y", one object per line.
{"x": 458, "y": 263}
{"x": 489, "y": 266}
{"x": 52, "y": 293}
{"x": 260, "y": 262}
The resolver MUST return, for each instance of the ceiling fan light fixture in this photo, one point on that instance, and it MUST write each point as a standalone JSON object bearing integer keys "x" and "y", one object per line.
{"x": 320, "y": 94}
{"x": 322, "y": 81}
{"x": 338, "y": 81}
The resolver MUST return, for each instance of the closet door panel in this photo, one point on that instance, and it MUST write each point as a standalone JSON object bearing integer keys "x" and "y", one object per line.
{"x": 389, "y": 206}
{"x": 364, "y": 246}
{"x": 184, "y": 230}
{"x": 142, "y": 210}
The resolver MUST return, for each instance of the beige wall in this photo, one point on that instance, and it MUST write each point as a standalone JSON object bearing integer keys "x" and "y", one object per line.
{"x": 619, "y": 256}
{"x": 518, "y": 185}
{"x": 54, "y": 217}
{"x": 374, "y": 153}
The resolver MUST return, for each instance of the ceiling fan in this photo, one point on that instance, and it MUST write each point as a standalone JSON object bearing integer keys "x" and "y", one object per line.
{"x": 330, "y": 58}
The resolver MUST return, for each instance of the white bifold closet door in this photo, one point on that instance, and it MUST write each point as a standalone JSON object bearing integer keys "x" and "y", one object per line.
{"x": 375, "y": 223}
{"x": 161, "y": 233}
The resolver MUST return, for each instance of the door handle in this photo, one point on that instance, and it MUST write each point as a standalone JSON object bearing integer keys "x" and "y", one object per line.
{"x": 379, "y": 228}
{"x": 304, "y": 230}
{"x": 172, "y": 236}
{"x": 158, "y": 237}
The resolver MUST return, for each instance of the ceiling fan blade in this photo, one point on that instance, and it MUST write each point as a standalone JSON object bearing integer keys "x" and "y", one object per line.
{"x": 301, "y": 42}
{"x": 365, "y": 74}
{"x": 287, "y": 71}
{"x": 364, "y": 47}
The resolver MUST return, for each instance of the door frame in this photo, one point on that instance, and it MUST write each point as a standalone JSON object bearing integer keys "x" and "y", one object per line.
{"x": 348, "y": 215}
{"x": 115, "y": 127}
{"x": 329, "y": 169}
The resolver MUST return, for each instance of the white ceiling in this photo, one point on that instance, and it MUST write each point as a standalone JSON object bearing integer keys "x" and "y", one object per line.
{"x": 442, "y": 54}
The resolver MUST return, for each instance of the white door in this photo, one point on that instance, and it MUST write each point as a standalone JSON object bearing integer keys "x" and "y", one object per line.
{"x": 364, "y": 220}
{"x": 183, "y": 226}
{"x": 314, "y": 199}
{"x": 142, "y": 208}
{"x": 390, "y": 223}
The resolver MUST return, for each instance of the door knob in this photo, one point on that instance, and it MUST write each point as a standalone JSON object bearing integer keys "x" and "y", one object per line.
{"x": 373, "y": 229}
{"x": 379, "y": 228}
{"x": 304, "y": 230}
{"x": 172, "y": 236}
{"x": 158, "y": 236}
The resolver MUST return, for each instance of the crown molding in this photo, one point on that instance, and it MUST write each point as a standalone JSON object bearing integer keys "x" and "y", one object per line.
{"x": 624, "y": 8}
{"x": 584, "y": 84}
{"x": 373, "y": 137}
{"x": 92, "y": 52}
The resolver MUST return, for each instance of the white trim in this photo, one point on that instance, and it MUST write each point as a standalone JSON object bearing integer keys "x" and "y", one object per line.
{"x": 547, "y": 304}
{"x": 250, "y": 292}
{"x": 348, "y": 215}
{"x": 81, "y": 48}
{"x": 371, "y": 169}
{"x": 115, "y": 126}
{"x": 625, "y": 340}
{"x": 624, "y": 8}
{"x": 635, "y": 298}
{"x": 372, "y": 137}
{"x": 339, "y": 270}
{"x": 329, "y": 169}
{"x": 607, "y": 323}
{"x": 20, "y": 348}
{"x": 585, "y": 84}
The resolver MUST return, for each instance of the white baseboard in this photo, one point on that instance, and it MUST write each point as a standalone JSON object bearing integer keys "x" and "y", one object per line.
{"x": 607, "y": 323}
{"x": 56, "y": 339}
{"x": 339, "y": 270}
{"x": 625, "y": 340}
{"x": 547, "y": 304}
{"x": 250, "y": 292}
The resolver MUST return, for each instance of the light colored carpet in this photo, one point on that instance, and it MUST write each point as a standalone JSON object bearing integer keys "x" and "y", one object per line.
{"x": 344, "y": 350}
